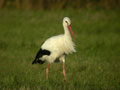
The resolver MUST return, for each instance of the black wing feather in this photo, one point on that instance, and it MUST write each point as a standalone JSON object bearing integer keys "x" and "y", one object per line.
{"x": 39, "y": 55}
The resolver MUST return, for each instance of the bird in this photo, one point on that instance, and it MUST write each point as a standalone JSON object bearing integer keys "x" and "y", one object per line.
{"x": 56, "y": 48}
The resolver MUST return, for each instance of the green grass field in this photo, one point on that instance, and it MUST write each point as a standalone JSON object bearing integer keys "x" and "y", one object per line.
{"x": 95, "y": 66}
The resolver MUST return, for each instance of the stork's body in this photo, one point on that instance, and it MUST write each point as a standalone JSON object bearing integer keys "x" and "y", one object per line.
{"x": 57, "y": 47}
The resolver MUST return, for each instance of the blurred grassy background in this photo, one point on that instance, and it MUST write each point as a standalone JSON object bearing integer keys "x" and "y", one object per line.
{"x": 95, "y": 66}
{"x": 59, "y": 4}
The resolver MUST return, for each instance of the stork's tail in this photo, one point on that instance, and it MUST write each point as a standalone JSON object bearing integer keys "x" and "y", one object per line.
{"x": 34, "y": 62}
{"x": 38, "y": 61}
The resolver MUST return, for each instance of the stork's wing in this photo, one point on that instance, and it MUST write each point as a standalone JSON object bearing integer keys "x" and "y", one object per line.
{"x": 53, "y": 43}
{"x": 41, "y": 53}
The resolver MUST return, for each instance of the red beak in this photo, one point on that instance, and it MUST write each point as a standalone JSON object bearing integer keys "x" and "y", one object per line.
{"x": 69, "y": 27}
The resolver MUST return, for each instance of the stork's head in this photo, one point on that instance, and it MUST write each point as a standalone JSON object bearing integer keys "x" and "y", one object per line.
{"x": 67, "y": 23}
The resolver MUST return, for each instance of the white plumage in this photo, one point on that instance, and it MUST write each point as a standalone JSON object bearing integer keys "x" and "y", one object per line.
{"x": 58, "y": 46}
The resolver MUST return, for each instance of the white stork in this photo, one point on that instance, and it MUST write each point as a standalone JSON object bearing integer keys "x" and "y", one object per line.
{"x": 55, "y": 48}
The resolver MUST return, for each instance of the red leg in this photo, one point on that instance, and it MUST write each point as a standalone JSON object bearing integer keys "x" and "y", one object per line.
{"x": 64, "y": 71}
{"x": 47, "y": 70}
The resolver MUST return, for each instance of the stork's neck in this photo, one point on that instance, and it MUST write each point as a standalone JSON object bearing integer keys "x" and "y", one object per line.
{"x": 67, "y": 32}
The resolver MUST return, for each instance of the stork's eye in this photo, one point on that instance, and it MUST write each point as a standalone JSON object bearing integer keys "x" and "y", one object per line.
{"x": 66, "y": 22}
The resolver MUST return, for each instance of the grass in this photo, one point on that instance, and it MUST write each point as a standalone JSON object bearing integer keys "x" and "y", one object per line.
{"x": 95, "y": 66}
